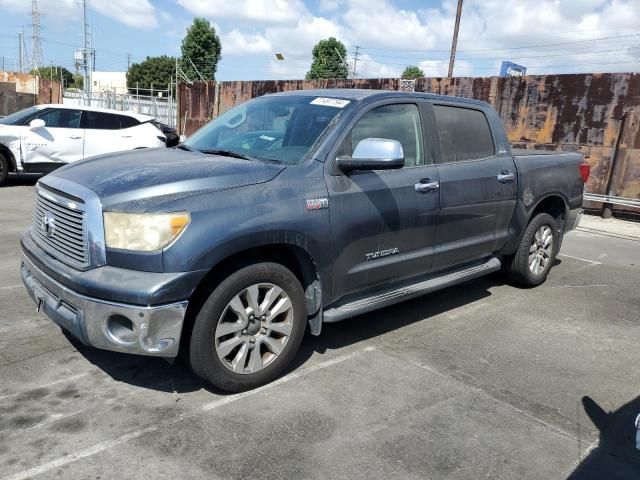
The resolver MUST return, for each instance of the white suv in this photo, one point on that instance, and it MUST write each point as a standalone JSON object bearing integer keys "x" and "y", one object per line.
{"x": 42, "y": 138}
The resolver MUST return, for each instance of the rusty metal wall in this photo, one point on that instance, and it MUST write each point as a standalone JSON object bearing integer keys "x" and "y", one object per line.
{"x": 580, "y": 112}
{"x": 22, "y": 90}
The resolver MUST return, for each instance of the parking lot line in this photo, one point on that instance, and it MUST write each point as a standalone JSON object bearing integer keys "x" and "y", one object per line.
{"x": 578, "y": 258}
{"x": 108, "y": 444}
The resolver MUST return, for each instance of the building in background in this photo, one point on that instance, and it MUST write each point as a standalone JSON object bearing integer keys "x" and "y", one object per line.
{"x": 114, "y": 82}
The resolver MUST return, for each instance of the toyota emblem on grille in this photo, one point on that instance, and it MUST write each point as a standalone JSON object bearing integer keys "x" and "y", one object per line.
{"x": 48, "y": 224}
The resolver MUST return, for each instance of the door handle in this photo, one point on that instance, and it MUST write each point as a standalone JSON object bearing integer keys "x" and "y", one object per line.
{"x": 75, "y": 137}
{"x": 126, "y": 136}
{"x": 425, "y": 185}
{"x": 506, "y": 177}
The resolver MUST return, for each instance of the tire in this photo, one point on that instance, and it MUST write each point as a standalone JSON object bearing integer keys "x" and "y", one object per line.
{"x": 5, "y": 167}
{"x": 235, "y": 350}
{"x": 535, "y": 256}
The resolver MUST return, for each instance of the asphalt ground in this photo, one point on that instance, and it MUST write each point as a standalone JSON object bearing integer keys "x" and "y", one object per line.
{"x": 481, "y": 380}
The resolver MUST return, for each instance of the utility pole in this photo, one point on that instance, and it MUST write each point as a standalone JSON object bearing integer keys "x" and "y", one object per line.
{"x": 36, "y": 44}
{"x": 355, "y": 61}
{"x": 85, "y": 51}
{"x": 344, "y": 62}
{"x": 128, "y": 61}
{"x": 21, "y": 54}
{"x": 452, "y": 58}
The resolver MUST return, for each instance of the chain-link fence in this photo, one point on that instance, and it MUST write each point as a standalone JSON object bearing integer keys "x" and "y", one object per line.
{"x": 162, "y": 107}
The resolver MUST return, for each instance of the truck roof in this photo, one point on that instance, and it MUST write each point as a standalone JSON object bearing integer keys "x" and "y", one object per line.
{"x": 357, "y": 94}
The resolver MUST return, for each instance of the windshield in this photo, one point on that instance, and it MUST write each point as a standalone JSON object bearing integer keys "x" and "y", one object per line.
{"x": 275, "y": 128}
{"x": 17, "y": 118}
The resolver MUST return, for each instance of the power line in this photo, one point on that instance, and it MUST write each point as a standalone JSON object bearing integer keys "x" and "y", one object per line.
{"x": 575, "y": 42}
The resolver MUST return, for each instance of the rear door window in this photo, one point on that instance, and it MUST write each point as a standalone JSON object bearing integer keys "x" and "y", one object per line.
{"x": 464, "y": 134}
{"x": 101, "y": 121}
{"x": 127, "y": 121}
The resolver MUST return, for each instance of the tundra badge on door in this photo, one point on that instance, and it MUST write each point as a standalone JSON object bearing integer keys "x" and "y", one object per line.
{"x": 382, "y": 253}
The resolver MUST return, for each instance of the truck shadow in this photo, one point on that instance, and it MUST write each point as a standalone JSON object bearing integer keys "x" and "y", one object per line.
{"x": 157, "y": 374}
{"x": 615, "y": 456}
{"x": 336, "y": 336}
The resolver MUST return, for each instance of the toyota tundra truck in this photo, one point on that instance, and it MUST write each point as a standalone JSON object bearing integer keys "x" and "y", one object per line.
{"x": 286, "y": 212}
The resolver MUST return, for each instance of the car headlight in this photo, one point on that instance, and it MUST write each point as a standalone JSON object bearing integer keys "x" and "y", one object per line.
{"x": 143, "y": 232}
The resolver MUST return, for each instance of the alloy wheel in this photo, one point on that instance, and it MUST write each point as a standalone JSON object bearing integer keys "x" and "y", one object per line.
{"x": 541, "y": 250}
{"x": 254, "y": 328}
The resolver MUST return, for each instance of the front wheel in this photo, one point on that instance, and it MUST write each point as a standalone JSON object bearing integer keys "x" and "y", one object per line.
{"x": 249, "y": 328}
{"x": 537, "y": 251}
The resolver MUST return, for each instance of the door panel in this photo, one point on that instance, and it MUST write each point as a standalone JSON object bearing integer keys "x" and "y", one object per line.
{"x": 475, "y": 210}
{"x": 477, "y": 187}
{"x": 104, "y": 133}
{"x": 382, "y": 228}
{"x": 59, "y": 141}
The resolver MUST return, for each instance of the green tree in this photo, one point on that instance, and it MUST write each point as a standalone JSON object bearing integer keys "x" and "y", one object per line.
{"x": 201, "y": 49}
{"x": 328, "y": 60}
{"x": 412, "y": 72}
{"x": 78, "y": 81}
{"x": 158, "y": 71}
{"x": 55, "y": 73}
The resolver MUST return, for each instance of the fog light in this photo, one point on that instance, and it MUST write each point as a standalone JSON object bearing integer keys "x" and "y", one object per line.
{"x": 121, "y": 329}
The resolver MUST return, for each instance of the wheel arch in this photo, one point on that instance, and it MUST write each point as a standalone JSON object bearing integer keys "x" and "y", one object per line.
{"x": 553, "y": 203}
{"x": 4, "y": 150}
{"x": 292, "y": 256}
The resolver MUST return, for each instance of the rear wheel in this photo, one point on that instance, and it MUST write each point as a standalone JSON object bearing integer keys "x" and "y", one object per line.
{"x": 536, "y": 253}
{"x": 5, "y": 167}
{"x": 249, "y": 328}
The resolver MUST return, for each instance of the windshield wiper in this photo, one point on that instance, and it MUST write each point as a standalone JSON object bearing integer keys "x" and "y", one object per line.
{"x": 182, "y": 146}
{"x": 228, "y": 153}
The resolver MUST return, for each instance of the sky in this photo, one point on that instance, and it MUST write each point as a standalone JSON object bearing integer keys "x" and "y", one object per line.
{"x": 546, "y": 36}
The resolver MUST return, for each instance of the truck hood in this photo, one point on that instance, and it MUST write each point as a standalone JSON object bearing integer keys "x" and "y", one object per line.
{"x": 140, "y": 180}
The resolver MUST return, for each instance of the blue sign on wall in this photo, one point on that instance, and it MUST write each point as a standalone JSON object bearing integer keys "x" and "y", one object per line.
{"x": 510, "y": 69}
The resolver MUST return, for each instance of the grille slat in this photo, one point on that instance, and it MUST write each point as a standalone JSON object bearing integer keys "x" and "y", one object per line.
{"x": 71, "y": 234}
{"x": 68, "y": 242}
{"x": 60, "y": 249}
{"x": 61, "y": 213}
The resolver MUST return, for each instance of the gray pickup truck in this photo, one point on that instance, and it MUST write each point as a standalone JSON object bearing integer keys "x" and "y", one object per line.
{"x": 288, "y": 211}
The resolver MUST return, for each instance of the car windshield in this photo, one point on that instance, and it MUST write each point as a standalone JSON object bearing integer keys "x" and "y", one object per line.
{"x": 271, "y": 128}
{"x": 17, "y": 117}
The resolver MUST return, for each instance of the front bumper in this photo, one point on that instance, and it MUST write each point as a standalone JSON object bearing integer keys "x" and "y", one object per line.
{"x": 137, "y": 329}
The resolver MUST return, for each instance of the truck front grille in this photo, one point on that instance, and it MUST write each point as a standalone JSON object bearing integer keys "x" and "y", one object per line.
{"x": 59, "y": 228}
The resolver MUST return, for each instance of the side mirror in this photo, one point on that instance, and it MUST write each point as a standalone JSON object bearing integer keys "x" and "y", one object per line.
{"x": 373, "y": 154}
{"x": 36, "y": 123}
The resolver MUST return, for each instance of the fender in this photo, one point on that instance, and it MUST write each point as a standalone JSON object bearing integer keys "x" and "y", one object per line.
{"x": 522, "y": 215}
{"x": 287, "y": 247}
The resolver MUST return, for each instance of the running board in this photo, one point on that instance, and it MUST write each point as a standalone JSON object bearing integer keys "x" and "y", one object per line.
{"x": 401, "y": 294}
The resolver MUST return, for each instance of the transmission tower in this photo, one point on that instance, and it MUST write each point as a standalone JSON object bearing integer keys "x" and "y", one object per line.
{"x": 36, "y": 43}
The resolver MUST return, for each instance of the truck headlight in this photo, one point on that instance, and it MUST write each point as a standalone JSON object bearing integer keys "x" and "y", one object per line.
{"x": 143, "y": 232}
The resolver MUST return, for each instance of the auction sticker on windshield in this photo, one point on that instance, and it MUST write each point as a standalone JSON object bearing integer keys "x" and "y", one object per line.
{"x": 330, "y": 102}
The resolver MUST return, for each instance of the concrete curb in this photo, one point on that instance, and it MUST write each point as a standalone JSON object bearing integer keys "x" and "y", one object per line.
{"x": 612, "y": 227}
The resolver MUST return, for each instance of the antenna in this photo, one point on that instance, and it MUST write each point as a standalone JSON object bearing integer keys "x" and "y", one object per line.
{"x": 36, "y": 44}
